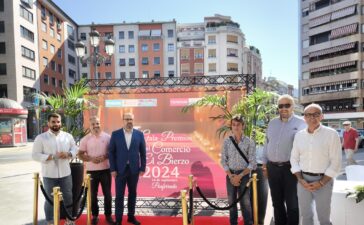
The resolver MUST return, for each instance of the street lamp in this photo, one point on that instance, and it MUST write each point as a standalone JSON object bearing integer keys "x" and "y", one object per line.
{"x": 95, "y": 58}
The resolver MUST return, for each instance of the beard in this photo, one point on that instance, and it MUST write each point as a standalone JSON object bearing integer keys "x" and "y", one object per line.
{"x": 55, "y": 128}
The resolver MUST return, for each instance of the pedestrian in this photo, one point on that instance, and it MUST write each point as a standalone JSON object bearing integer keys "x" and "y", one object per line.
{"x": 127, "y": 156}
{"x": 276, "y": 166}
{"x": 94, "y": 151}
{"x": 316, "y": 160}
{"x": 350, "y": 142}
{"x": 54, "y": 148}
{"x": 238, "y": 160}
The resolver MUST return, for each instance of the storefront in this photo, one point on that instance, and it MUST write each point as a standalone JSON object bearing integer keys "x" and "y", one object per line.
{"x": 13, "y": 129}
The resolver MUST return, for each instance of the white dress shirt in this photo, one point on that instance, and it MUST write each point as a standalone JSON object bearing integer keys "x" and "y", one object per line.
{"x": 128, "y": 137}
{"x": 317, "y": 152}
{"x": 47, "y": 144}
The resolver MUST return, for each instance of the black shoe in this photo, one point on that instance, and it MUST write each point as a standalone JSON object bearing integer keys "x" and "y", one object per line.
{"x": 95, "y": 220}
{"x": 118, "y": 223}
{"x": 109, "y": 220}
{"x": 134, "y": 221}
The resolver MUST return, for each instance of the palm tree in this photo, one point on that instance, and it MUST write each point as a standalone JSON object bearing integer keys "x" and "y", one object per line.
{"x": 257, "y": 109}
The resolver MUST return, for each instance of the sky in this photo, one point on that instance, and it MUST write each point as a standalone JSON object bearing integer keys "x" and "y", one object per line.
{"x": 269, "y": 25}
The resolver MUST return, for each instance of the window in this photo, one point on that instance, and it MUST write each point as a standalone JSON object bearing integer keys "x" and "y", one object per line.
{"x": 232, "y": 52}
{"x": 131, "y": 48}
{"x": 2, "y": 48}
{"x": 170, "y": 47}
{"x": 108, "y": 75}
{"x": 198, "y": 53}
{"x": 212, "y": 53}
{"x": 28, "y": 93}
{"x": 51, "y": 32}
{"x": 145, "y": 74}
{"x": 156, "y": 47}
{"x": 54, "y": 82}
{"x": 107, "y": 62}
{"x": 70, "y": 32}
{"x": 59, "y": 23}
{"x": 2, "y": 6}
{"x": 131, "y": 62}
{"x": 131, "y": 34}
{"x": 27, "y": 53}
{"x": 211, "y": 40}
{"x": 71, "y": 59}
{"x": 121, "y": 34}
{"x": 28, "y": 73}
{"x": 71, "y": 45}
{"x": 305, "y": 59}
{"x": 2, "y": 27}
{"x": 170, "y": 33}
{"x": 145, "y": 61}
{"x": 84, "y": 75}
{"x": 45, "y": 62}
{"x": 121, "y": 48}
{"x": 144, "y": 47}
{"x": 59, "y": 37}
{"x": 59, "y": 53}
{"x": 27, "y": 34}
{"x": 44, "y": 27}
{"x": 212, "y": 67}
{"x": 51, "y": 18}
{"x": 3, "y": 91}
{"x": 52, "y": 49}
{"x": 26, "y": 14}
{"x": 83, "y": 36}
{"x": 232, "y": 38}
{"x": 44, "y": 44}
{"x": 157, "y": 60}
{"x": 305, "y": 75}
{"x": 185, "y": 54}
{"x": 122, "y": 75}
{"x": 71, "y": 73}
{"x": 305, "y": 43}
{"x": 121, "y": 62}
{"x": 232, "y": 67}
{"x": 157, "y": 73}
{"x": 46, "y": 79}
{"x": 60, "y": 68}
{"x": 2, "y": 68}
{"x": 53, "y": 65}
{"x": 43, "y": 12}
{"x": 185, "y": 68}
{"x": 198, "y": 68}
{"x": 132, "y": 75}
{"x": 305, "y": 12}
{"x": 60, "y": 83}
{"x": 170, "y": 73}
{"x": 170, "y": 60}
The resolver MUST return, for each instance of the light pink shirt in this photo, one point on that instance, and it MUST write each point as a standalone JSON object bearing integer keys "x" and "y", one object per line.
{"x": 96, "y": 146}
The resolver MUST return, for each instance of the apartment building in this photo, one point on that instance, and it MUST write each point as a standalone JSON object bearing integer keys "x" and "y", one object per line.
{"x": 331, "y": 58}
{"x": 252, "y": 62}
{"x": 19, "y": 59}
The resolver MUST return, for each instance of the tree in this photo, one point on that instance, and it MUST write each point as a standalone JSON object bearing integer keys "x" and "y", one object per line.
{"x": 256, "y": 108}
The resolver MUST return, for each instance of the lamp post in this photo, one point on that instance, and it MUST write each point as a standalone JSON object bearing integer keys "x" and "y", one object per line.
{"x": 95, "y": 58}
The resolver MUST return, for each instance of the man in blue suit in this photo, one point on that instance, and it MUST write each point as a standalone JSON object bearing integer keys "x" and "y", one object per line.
{"x": 127, "y": 156}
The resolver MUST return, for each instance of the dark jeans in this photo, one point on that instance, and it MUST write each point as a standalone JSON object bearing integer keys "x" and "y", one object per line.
{"x": 262, "y": 186}
{"x": 65, "y": 184}
{"x": 102, "y": 177}
{"x": 121, "y": 180}
{"x": 283, "y": 187}
{"x": 245, "y": 206}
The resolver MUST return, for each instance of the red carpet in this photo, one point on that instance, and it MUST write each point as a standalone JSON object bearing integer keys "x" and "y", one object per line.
{"x": 165, "y": 220}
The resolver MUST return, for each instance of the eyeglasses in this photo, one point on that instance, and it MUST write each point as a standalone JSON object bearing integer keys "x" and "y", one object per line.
{"x": 346, "y": 124}
{"x": 287, "y": 106}
{"x": 128, "y": 119}
{"x": 312, "y": 115}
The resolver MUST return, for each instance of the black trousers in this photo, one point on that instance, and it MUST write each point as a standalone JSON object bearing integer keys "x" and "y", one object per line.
{"x": 102, "y": 177}
{"x": 283, "y": 187}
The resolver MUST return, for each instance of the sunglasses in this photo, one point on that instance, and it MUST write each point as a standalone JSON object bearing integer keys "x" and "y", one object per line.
{"x": 287, "y": 106}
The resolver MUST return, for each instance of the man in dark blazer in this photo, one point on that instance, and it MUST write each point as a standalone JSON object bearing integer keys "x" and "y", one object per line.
{"x": 127, "y": 156}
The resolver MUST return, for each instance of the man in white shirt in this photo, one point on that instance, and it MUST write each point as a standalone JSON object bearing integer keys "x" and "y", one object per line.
{"x": 315, "y": 160}
{"x": 53, "y": 149}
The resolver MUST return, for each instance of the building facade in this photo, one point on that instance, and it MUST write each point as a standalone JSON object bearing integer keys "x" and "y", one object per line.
{"x": 331, "y": 58}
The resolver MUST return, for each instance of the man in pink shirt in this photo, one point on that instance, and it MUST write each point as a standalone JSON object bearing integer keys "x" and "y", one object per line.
{"x": 94, "y": 151}
{"x": 350, "y": 142}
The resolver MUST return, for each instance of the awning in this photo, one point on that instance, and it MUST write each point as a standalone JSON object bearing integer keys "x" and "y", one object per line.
{"x": 343, "y": 31}
{"x": 332, "y": 49}
{"x": 144, "y": 33}
{"x": 343, "y": 12}
{"x": 320, "y": 20}
{"x": 156, "y": 33}
{"x": 332, "y": 67}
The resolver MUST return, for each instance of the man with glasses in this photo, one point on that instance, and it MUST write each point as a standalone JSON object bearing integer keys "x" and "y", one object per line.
{"x": 315, "y": 160}
{"x": 127, "y": 156}
{"x": 277, "y": 152}
{"x": 350, "y": 142}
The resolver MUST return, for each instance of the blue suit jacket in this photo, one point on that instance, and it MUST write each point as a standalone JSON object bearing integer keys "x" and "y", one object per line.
{"x": 119, "y": 154}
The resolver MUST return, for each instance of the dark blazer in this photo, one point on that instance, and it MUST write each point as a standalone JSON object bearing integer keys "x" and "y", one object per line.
{"x": 119, "y": 155}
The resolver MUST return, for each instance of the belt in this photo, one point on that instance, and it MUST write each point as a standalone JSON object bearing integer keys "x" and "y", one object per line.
{"x": 236, "y": 171}
{"x": 280, "y": 163}
{"x": 313, "y": 174}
